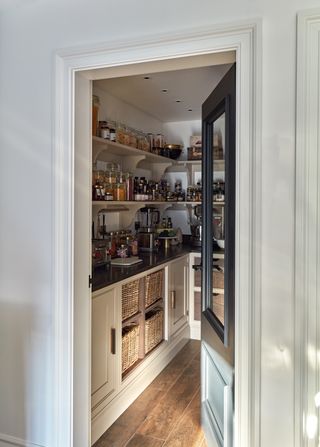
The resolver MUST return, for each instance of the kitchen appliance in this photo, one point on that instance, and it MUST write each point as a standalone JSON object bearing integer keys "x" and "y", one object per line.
{"x": 100, "y": 252}
{"x": 147, "y": 236}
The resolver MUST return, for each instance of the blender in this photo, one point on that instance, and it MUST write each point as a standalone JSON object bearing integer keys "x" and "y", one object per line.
{"x": 147, "y": 235}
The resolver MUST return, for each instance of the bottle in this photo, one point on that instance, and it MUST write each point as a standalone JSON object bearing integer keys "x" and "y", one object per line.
{"x": 113, "y": 246}
{"x": 129, "y": 186}
{"x": 112, "y": 134}
{"x": 169, "y": 223}
{"x": 164, "y": 222}
{"x": 134, "y": 246}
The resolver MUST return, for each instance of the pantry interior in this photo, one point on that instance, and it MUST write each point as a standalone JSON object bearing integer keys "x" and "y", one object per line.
{"x": 143, "y": 314}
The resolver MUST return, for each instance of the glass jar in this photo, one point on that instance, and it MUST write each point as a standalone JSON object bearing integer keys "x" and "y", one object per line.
{"x": 129, "y": 186}
{"x": 132, "y": 138}
{"x": 120, "y": 133}
{"x": 104, "y": 131}
{"x": 112, "y": 127}
{"x": 119, "y": 192}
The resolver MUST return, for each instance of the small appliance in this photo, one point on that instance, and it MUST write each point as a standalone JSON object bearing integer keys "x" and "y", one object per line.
{"x": 147, "y": 236}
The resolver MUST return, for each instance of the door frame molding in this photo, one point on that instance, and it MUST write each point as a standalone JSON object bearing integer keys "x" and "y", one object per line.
{"x": 245, "y": 39}
{"x": 307, "y": 225}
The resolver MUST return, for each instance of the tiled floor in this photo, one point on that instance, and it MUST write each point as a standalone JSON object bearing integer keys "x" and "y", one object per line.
{"x": 167, "y": 413}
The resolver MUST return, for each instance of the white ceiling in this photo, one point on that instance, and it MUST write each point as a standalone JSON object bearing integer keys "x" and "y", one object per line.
{"x": 190, "y": 86}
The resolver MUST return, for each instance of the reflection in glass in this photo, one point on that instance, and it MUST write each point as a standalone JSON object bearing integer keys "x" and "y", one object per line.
{"x": 218, "y": 230}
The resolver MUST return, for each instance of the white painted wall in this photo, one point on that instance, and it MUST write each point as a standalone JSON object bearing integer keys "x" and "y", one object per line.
{"x": 30, "y": 32}
{"x": 180, "y": 132}
{"x": 112, "y": 108}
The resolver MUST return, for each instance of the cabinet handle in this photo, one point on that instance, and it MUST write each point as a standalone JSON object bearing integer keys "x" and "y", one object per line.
{"x": 197, "y": 267}
{"x": 113, "y": 341}
{"x": 173, "y": 299}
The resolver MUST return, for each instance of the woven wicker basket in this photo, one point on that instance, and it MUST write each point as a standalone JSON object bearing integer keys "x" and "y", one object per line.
{"x": 153, "y": 329}
{"x": 130, "y": 346}
{"x": 130, "y": 299}
{"x": 154, "y": 287}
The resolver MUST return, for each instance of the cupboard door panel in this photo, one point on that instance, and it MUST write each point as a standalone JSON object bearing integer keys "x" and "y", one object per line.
{"x": 103, "y": 376}
{"x": 178, "y": 294}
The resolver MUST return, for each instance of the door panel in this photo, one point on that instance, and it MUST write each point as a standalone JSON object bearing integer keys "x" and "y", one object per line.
{"x": 178, "y": 298}
{"x": 103, "y": 379}
{"x": 218, "y": 260}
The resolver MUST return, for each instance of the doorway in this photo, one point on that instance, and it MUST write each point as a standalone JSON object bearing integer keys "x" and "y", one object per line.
{"x": 73, "y": 372}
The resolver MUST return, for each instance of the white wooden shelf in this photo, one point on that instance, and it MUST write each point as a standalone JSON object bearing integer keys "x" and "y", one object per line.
{"x": 120, "y": 149}
{"x": 219, "y": 165}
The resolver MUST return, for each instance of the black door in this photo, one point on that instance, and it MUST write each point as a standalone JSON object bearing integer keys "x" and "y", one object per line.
{"x": 218, "y": 259}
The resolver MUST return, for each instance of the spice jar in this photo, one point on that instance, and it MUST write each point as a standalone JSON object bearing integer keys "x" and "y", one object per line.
{"x": 112, "y": 131}
{"x": 104, "y": 131}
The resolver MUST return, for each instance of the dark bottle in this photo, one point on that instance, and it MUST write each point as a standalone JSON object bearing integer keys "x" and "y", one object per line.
{"x": 169, "y": 223}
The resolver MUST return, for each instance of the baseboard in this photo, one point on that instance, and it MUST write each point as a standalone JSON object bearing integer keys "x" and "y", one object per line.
{"x": 10, "y": 441}
{"x": 137, "y": 385}
{"x": 195, "y": 331}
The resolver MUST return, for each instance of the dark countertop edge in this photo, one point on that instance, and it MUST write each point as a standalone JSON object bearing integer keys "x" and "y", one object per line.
{"x": 103, "y": 278}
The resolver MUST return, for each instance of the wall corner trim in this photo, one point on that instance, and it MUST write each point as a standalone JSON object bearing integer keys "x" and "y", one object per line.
{"x": 307, "y": 223}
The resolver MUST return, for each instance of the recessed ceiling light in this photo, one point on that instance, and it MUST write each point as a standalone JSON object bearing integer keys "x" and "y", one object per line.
{"x": 146, "y": 77}
{"x": 164, "y": 90}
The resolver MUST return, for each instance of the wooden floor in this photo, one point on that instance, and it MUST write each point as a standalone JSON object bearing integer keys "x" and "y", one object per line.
{"x": 167, "y": 413}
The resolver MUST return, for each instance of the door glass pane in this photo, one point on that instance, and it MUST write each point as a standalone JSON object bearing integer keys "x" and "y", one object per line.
{"x": 218, "y": 229}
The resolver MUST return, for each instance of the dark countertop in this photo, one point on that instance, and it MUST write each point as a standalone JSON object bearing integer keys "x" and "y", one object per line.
{"x": 105, "y": 276}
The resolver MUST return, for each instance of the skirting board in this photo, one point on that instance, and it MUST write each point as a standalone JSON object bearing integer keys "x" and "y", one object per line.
{"x": 195, "y": 330}
{"x": 11, "y": 441}
{"x": 126, "y": 396}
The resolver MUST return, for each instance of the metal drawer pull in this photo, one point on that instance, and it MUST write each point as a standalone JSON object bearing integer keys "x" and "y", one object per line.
{"x": 173, "y": 299}
{"x": 113, "y": 341}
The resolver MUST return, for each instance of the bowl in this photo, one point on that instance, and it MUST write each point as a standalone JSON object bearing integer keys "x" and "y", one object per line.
{"x": 173, "y": 151}
{"x": 220, "y": 243}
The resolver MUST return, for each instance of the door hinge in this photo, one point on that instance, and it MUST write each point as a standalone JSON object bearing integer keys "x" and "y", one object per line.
{"x": 90, "y": 281}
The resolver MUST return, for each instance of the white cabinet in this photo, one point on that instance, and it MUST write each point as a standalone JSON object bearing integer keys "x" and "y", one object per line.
{"x": 105, "y": 346}
{"x": 178, "y": 294}
{"x": 194, "y": 295}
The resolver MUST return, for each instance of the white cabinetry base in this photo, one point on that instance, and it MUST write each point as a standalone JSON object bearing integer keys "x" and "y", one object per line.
{"x": 137, "y": 381}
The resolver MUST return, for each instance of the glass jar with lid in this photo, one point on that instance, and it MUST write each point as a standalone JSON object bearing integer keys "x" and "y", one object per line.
{"x": 132, "y": 138}
{"x": 120, "y": 133}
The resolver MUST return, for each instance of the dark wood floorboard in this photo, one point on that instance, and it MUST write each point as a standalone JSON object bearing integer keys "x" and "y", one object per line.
{"x": 167, "y": 413}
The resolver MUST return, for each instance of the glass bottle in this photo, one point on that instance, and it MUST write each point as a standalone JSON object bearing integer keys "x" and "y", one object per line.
{"x": 129, "y": 186}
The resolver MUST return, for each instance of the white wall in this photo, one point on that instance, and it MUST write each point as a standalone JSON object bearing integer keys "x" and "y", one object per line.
{"x": 180, "y": 132}
{"x": 30, "y": 33}
{"x": 112, "y": 108}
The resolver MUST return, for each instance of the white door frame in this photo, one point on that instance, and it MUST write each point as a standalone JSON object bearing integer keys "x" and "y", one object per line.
{"x": 245, "y": 39}
{"x": 307, "y": 240}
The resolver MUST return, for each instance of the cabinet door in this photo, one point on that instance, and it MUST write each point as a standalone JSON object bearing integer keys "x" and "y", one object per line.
{"x": 103, "y": 370}
{"x": 178, "y": 294}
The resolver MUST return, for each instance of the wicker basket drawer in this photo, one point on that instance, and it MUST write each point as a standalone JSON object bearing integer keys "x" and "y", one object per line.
{"x": 154, "y": 287}
{"x": 130, "y": 298}
{"x": 130, "y": 345}
{"x": 153, "y": 329}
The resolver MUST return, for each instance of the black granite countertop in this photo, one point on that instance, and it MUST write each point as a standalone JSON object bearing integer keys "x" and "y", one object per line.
{"x": 105, "y": 276}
